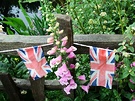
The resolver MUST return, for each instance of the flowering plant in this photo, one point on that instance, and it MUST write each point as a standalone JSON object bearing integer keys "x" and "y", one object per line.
{"x": 61, "y": 62}
{"x": 62, "y": 72}
{"x": 125, "y": 68}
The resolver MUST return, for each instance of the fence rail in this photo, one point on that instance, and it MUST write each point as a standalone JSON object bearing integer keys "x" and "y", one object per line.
{"x": 9, "y": 42}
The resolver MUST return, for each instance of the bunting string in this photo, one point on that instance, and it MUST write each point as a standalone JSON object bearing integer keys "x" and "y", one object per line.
{"x": 102, "y": 48}
{"x": 90, "y": 46}
{"x": 12, "y": 50}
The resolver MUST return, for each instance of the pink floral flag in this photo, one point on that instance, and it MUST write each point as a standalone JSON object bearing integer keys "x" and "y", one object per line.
{"x": 102, "y": 65}
{"x": 33, "y": 58}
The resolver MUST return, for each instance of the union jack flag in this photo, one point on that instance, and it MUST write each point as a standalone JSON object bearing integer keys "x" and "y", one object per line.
{"x": 102, "y": 65}
{"x": 34, "y": 60}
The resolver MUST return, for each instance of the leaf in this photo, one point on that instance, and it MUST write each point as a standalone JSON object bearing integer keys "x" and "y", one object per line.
{"x": 77, "y": 99}
{"x": 131, "y": 48}
{"x": 26, "y": 15}
{"x": 117, "y": 57}
{"x": 132, "y": 86}
{"x": 125, "y": 73}
{"x": 9, "y": 23}
{"x": 132, "y": 78}
{"x": 9, "y": 31}
{"x": 16, "y": 22}
{"x": 46, "y": 99}
{"x": 66, "y": 99}
{"x": 117, "y": 27}
{"x": 120, "y": 48}
{"x": 132, "y": 73}
{"x": 19, "y": 64}
{"x": 127, "y": 95}
{"x": 130, "y": 36}
{"x": 116, "y": 94}
{"x": 30, "y": 1}
{"x": 133, "y": 68}
{"x": 126, "y": 61}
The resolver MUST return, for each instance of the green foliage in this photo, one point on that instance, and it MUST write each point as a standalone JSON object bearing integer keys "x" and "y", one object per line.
{"x": 56, "y": 96}
{"x": 28, "y": 18}
{"x": 14, "y": 66}
{"x": 125, "y": 73}
{"x": 109, "y": 95}
{"x": 3, "y": 96}
{"x": 14, "y": 23}
{"x": 36, "y": 25}
{"x": 83, "y": 59}
{"x": 101, "y": 16}
{"x": 88, "y": 16}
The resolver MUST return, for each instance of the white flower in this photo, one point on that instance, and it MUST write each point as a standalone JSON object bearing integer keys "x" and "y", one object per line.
{"x": 104, "y": 27}
{"x": 57, "y": 24}
{"x": 126, "y": 54}
{"x": 1, "y": 27}
{"x": 77, "y": 65}
{"x": 103, "y": 14}
{"x": 61, "y": 31}
{"x": 90, "y": 21}
{"x": 105, "y": 22}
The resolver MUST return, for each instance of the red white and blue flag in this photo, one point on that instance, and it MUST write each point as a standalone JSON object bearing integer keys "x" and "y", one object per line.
{"x": 102, "y": 65}
{"x": 35, "y": 61}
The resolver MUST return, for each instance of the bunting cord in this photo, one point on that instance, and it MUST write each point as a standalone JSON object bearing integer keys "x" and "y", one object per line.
{"x": 82, "y": 45}
{"x": 12, "y": 50}
{"x": 90, "y": 46}
{"x": 102, "y": 48}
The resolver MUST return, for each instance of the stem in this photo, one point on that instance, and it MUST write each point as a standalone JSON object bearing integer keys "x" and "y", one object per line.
{"x": 118, "y": 11}
{"x": 121, "y": 24}
{"x": 79, "y": 22}
{"x": 99, "y": 18}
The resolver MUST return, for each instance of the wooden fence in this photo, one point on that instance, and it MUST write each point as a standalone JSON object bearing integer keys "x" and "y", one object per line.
{"x": 8, "y": 42}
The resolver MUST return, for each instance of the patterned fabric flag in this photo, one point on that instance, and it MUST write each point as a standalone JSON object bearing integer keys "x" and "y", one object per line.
{"x": 33, "y": 58}
{"x": 102, "y": 65}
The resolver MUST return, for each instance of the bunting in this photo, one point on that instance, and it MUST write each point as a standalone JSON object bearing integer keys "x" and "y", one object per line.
{"x": 102, "y": 65}
{"x": 33, "y": 58}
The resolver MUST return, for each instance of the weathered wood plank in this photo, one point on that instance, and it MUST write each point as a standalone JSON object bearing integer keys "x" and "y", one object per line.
{"x": 9, "y": 42}
{"x": 10, "y": 87}
{"x": 25, "y": 84}
{"x": 100, "y": 40}
{"x": 97, "y": 40}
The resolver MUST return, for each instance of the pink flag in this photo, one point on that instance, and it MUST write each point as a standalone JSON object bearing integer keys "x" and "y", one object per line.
{"x": 102, "y": 65}
{"x": 33, "y": 58}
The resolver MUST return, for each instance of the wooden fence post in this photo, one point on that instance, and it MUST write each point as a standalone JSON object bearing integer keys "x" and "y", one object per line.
{"x": 10, "y": 87}
{"x": 37, "y": 87}
{"x": 66, "y": 25}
